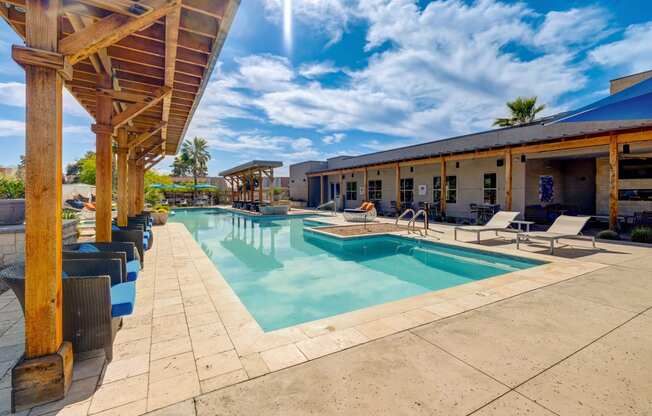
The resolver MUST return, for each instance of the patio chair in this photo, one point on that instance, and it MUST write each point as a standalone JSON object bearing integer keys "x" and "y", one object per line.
{"x": 131, "y": 235}
{"x": 564, "y": 226}
{"x": 92, "y": 308}
{"x": 643, "y": 219}
{"x": 393, "y": 209}
{"x": 123, "y": 251}
{"x": 366, "y": 212}
{"x": 499, "y": 222}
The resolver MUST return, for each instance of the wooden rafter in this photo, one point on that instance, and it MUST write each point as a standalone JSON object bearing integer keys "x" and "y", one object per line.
{"x": 125, "y": 7}
{"x": 154, "y": 162}
{"x": 172, "y": 21}
{"x": 146, "y": 152}
{"x": 136, "y": 109}
{"x": 111, "y": 29}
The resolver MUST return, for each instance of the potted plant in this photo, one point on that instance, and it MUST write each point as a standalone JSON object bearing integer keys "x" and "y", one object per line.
{"x": 160, "y": 215}
{"x": 12, "y": 201}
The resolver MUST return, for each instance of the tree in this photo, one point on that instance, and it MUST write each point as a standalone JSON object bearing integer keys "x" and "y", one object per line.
{"x": 179, "y": 166}
{"x": 20, "y": 170}
{"x": 87, "y": 168}
{"x": 523, "y": 110}
{"x": 152, "y": 177}
{"x": 195, "y": 156}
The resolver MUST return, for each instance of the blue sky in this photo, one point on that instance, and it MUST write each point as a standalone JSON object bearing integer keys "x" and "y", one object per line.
{"x": 351, "y": 77}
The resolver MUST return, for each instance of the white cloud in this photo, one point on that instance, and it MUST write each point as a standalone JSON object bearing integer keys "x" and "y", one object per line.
{"x": 329, "y": 17}
{"x": 317, "y": 69}
{"x": 13, "y": 94}
{"x": 12, "y": 128}
{"x": 633, "y": 52}
{"x": 333, "y": 138}
{"x": 578, "y": 27}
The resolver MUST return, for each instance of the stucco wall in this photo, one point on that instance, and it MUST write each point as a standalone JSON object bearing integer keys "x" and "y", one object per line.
{"x": 298, "y": 180}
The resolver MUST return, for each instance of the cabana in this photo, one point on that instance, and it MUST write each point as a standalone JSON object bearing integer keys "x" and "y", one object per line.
{"x": 139, "y": 68}
{"x": 247, "y": 184}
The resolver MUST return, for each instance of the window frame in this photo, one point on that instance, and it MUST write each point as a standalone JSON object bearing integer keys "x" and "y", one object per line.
{"x": 451, "y": 192}
{"x": 377, "y": 192}
{"x": 404, "y": 191}
{"x": 351, "y": 194}
{"x": 492, "y": 190}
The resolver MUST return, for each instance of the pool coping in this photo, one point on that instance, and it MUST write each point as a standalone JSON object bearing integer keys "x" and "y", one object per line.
{"x": 303, "y": 342}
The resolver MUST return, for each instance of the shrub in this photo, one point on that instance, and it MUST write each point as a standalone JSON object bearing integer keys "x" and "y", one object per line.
{"x": 69, "y": 214}
{"x": 161, "y": 208}
{"x": 642, "y": 235}
{"x": 608, "y": 235}
{"x": 11, "y": 188}
{"x": 153, "y": 196}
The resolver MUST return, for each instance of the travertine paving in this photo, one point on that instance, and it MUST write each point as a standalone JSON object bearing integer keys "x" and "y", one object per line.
{"x": 537, "y": 341}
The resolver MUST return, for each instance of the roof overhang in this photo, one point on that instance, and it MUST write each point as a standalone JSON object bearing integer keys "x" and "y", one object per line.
{"x": 253, "y": 165}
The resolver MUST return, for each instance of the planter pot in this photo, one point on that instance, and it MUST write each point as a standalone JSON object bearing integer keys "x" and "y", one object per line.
{"x": 160, "y": 218}
{"x": 12, "y": 211}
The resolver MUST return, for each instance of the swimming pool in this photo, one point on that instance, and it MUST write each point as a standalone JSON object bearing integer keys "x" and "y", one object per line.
{"x": 286, "y": 274}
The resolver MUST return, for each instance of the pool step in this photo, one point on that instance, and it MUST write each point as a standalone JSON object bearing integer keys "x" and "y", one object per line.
{"x": 465, "y": 259}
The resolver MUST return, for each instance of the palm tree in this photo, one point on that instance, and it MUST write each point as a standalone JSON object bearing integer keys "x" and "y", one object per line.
{"x": 523, "y": 110}
{"x": 195, "y": 156}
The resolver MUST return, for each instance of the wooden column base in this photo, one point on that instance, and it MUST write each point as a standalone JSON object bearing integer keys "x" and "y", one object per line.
{"x": 41, "y": 380}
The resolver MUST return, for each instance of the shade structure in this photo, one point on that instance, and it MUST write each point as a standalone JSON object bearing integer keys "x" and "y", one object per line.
{"x": 205, "y": 186}
{"x": 633, "y": 103}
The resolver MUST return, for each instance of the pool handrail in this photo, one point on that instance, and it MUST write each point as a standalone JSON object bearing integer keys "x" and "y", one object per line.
{"x": 332, "y": 201}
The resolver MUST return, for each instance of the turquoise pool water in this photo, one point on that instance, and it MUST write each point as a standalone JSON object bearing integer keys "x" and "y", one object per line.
{"x": 286, "y": 275}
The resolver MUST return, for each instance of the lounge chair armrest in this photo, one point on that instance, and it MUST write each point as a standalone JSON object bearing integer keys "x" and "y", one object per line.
{"x": 102, "y": 256}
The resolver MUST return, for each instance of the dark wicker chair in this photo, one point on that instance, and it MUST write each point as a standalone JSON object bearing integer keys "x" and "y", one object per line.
{"x": 124, "y": 251}
{"x": 134, "y": 236}
{"x": 86, "y": 292}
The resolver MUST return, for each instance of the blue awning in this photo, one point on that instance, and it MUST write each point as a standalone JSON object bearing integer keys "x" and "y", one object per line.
{"x": 633, "y": 103}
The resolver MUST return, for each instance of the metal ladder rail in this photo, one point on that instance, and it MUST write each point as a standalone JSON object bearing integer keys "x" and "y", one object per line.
{"x": 325, "y": 204}
{"x": 407, "y": 211}
{"x": 413, "y": 221}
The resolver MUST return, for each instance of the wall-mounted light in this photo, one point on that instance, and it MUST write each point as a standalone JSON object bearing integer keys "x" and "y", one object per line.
{"x": 626, "y": 149}
{"x": 457, "y": 165}
{"x": 353, "y": 175}
{"x": 500, "y": 162}
{"x": 342, "y": 176}
{"x": 523, "y": 158}
{"x": 411, "y": 169}
{"x": 378, "y": 172}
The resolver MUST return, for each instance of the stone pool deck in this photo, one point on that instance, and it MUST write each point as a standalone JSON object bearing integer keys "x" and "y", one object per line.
{"x": 572, "y": 337}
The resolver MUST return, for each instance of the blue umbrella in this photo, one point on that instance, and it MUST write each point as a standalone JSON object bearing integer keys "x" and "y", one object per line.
{"x": 633, "y": 103}
{"x": 157, "y": 186}
{"x": 205, "y": 186}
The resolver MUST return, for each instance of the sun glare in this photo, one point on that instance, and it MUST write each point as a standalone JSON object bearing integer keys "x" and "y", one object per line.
{"x": 287, "y": 25}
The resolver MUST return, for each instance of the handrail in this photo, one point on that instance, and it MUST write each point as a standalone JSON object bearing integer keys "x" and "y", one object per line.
{"x": 332, "y": 201}
{"x": 407, "y": 211}
{"x": 413, "y": 221}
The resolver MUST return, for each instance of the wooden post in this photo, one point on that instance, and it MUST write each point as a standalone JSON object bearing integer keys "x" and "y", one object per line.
{"x": 271, "y": 187}
{"x": 342, "y": 193}
{"x": 613, "y": 183}
{"x": 508, "y": 179}
{"x": 442, "y": 198}
{"x": 321, "y": 189}
{"x": 397, "y": 168}
{"x": 260, "y": 185}
{"x": 45, "y": 372}
{"x": 104, "y": 158}
{"x": 140, "y": 177}
{"x": 123, "y": 178}
{"x": 366, "y": 185}
{"x": 132, "y": 182}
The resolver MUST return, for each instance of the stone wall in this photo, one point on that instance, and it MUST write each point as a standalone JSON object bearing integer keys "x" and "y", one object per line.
{"x": 12, "y": 241}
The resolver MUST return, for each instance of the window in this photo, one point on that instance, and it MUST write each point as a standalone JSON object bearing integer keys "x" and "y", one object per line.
{"x": 436, "y": 189}
{"x": 351, "y": 189}
{"x": 489, "y": 187}
{"x": 451, "y": 189}
{"x": 635, "y": 168}
{"x": 407, "y": 188}
{"x": 375, "y": 190}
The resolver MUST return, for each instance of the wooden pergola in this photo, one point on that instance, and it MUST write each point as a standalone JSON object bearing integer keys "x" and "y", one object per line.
{"x": 139, "y": 68}
{"x": 248, "y": 173}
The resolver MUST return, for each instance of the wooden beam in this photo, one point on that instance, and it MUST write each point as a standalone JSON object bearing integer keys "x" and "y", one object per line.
{"x": 442, "y": 181}
{"x": 136, "y": 109}
{"x": 141, "y": 138}
{"x": 132, "y": 171}
{"x": 123, "y": 177}
{"x": 124, "y": 96}
{"x": 111, "y": 29}
{"x": 104, "y": 161}
{"x": 321, "y": 189}
{"x": 260, "y": 185}
{"x": 397, "y": 170}
{"x": 140, "y": 186}
{"x": 613, "y": 183}
{"x": 172, "y": 21}
{"x": 124, "y": 7}
{"x": 366, "y": 185}
{"x": 508, "y": 180}
{"x": 45, "y": 372}
{"x": 154, "y": 162}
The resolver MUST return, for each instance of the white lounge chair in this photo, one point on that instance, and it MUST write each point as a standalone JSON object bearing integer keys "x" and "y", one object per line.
{"x": 564, "y": 226}
{"x": 499, "y": 222}
{"x": 366, "y": 213}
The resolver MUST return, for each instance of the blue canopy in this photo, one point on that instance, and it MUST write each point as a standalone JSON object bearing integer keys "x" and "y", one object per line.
{"x": 633, "y": 103}
{"x": 205, "y": 186}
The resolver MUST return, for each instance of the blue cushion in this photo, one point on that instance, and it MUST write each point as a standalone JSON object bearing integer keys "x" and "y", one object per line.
{"x": 145, "y": 243}
{"x": 123, "y": 298}
{"x": 133, "y": 267}
{"x": 147, "y": 234}
{"x": 115, "y": 228}
{"x": 64, "y": 275}
{"x": 88, "y": 248}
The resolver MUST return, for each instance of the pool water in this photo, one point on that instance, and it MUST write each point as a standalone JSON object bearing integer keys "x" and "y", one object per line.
{"x": 286, "y": 274}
